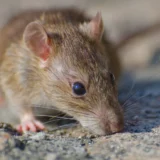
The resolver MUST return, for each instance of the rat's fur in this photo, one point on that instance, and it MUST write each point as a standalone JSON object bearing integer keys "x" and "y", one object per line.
{"x": 76, "y": 54}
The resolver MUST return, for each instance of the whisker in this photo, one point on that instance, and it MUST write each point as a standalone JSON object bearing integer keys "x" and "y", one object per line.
{"x": 130, "y": 91}
{"x": 65, "y": 126}
{"x": 136, "y": 100}
{"x": 82, "y": 113}
{"x": 54, "y": 117}
{"x": 131, "y": 107}
{"x": 53, "y": 120}
{"x": 91, "y": 125}
{"x": 127, "y": 100}
{"x": 133, "y": 85}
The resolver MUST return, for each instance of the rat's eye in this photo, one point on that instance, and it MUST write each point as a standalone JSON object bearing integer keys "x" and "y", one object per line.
{"x": 78, "y": 89}
{"x": 112, "y": 78}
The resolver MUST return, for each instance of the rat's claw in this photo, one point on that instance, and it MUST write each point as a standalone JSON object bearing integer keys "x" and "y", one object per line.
{"x": 33, "y": 126}
{"x": 40, "y": 125}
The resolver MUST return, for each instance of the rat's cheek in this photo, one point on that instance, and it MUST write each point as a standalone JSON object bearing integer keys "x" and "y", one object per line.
{"x": 92, "y": 125}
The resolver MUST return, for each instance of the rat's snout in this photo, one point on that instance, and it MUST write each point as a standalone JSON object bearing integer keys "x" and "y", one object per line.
{"x": 111, "y": 119}
{"x": 111, "y": 123}
{"x": 106, "y": 120}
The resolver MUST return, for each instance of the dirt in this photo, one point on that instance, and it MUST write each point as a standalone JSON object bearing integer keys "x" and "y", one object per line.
{"x": 139, "y": 95}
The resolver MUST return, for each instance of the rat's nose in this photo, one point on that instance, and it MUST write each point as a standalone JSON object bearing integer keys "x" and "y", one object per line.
{"x": 104, "y": 121}
{"x": 113, "y": 127}
{"x": 106, "y": 126}
{"x": 111, "y": 121}
{"x": 112, "y": 124}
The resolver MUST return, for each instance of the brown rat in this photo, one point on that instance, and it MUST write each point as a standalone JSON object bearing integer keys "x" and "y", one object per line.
{"x": 60, "y": 59}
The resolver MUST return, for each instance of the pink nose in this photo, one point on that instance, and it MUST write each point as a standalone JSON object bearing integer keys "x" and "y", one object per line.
{"x": 112, "y": 125}
{"x": 111, "y": 128}
{"x": 116, "y": 127}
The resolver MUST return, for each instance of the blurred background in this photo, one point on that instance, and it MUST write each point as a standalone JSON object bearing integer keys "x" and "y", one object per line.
{"x": 132, "y": 26}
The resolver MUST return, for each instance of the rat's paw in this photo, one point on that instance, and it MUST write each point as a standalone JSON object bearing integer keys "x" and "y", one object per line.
{"x": 30, "y": 125}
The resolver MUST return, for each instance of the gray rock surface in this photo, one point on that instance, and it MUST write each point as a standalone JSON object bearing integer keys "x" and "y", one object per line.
{"x": 139, "y": 97}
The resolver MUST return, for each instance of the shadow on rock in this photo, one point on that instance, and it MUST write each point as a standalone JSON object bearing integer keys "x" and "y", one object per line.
{"x": 141, "y": 104}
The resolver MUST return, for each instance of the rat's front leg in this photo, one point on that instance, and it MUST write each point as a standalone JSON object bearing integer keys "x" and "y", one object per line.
{"x": 29, "y": 123}
{"x": 24, "y": 112}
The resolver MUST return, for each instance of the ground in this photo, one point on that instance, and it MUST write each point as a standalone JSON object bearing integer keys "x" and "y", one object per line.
{"x": 139, "y": 94}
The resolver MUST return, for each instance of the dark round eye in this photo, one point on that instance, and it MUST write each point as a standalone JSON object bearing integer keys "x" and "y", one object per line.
{"x": 112, "y": 78}
{"x": 78, "y": 89}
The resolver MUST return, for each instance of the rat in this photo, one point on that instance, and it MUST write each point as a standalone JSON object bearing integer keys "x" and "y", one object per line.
{"x": 60, "y": 59}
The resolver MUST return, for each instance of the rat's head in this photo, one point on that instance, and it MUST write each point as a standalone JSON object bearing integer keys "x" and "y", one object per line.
{"x": 77, "y": 77}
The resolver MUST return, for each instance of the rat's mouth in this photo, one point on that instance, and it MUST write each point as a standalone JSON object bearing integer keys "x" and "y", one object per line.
{"x": 103, "y": 122}
{"x": 102, "y": 129}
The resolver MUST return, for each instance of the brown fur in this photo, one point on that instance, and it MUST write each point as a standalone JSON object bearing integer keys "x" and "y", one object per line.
{"x": 75, "y": 57}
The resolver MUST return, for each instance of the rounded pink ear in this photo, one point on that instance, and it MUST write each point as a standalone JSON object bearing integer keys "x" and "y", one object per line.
{"x": 94, "y": 28}
{"x": 36, "y": 39}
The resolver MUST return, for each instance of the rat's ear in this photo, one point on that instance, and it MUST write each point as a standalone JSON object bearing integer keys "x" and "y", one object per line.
{"x": 36, "y": 39}
{"x": 94, "y": 28}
